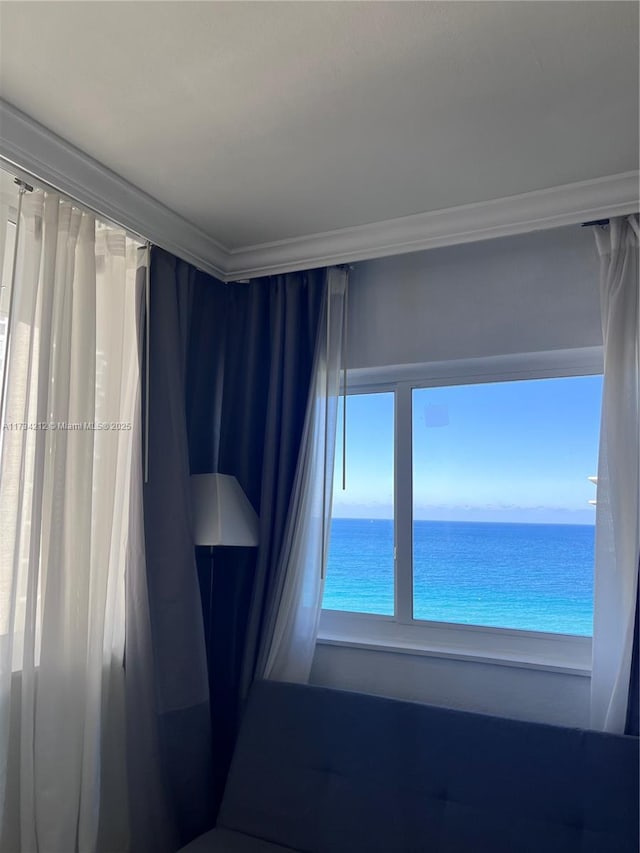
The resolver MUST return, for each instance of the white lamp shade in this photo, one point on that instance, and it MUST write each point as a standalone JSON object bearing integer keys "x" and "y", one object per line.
{"x": 222, "y": 514}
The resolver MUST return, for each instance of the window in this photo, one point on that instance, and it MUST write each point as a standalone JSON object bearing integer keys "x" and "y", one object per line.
{"x": 502, "y": 526}
{"x": 360, "y": 568}
{"x": 488, "y": 509}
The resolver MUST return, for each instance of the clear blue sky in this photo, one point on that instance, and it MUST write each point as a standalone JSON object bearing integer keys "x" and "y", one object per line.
{"x": 507, "y": 451}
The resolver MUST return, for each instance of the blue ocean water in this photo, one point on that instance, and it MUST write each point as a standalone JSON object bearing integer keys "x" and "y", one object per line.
{"x": 535, "y": 577}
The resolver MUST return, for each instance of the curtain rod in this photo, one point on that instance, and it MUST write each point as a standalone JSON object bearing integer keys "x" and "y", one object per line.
{"x": 23, "y": 185}
{"x": 14, "y": 169}
{"x": 19, "y": 174}
{"x": 602, "y": 222}
{"x": 22, "y": 177}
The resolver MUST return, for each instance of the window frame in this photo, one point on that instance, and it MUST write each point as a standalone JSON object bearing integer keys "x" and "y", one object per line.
{"x": 402, "y": 633}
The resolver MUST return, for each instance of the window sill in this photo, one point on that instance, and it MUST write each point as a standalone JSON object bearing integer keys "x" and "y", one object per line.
{"x": 561, "y": 653}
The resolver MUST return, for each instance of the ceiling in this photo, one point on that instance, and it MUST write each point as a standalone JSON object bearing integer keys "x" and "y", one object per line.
{"x": 265, "y": 121}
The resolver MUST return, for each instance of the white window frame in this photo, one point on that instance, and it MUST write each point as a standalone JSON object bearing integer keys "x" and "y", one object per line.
{"x": 565, "y": 653}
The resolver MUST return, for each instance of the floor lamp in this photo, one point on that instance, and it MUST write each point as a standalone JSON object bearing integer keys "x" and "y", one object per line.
{"x": 222, "y": 515}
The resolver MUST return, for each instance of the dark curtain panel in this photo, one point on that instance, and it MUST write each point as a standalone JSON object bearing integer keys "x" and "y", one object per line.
{"x": 230, "y": 373}
{"x": 632, "y": 726}
{"x": 175, "y": 610}
{"x": 295, "y": 302}
{"x": 226, "y": 398}
{"x": 249, "y": 366}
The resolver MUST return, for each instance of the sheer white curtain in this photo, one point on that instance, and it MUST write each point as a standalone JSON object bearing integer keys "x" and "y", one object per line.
{"x": 294, "y": 614}
{"x": 618, "y": 503}
{"x": 65, "y": 464}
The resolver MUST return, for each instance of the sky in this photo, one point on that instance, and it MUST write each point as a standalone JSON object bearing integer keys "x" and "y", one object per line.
{"x": 504, "y": 451}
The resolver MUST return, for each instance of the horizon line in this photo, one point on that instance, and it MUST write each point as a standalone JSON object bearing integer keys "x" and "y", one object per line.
{"x": 472, "y": 521}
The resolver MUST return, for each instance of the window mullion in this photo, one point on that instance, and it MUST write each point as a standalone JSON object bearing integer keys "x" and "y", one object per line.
{"x": 403, "y": 502}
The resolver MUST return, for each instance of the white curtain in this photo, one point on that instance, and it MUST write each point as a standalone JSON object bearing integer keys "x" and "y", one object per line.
{"x": 618, "y": 499}
{"x": 69, "y": 429}
{"x": 293, "y": 618}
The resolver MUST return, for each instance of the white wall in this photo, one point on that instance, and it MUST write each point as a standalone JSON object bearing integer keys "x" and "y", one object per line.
{"x": 529, "y": 293}
{"x": 525, "y": 694}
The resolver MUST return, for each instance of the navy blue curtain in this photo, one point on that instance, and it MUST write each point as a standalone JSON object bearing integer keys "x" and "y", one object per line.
{"x": 165, "y": 629}
{"x": 230, "y": 371}
{"x": 632, "y": 726}
{"x": 249, "y": 364}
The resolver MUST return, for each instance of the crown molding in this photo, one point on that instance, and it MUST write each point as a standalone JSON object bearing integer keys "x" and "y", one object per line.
{"x": 570, "y": 204}
{"x": 32, "y": 148}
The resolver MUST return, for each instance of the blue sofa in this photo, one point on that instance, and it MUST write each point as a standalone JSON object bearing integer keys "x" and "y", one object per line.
{"x": 328, "y": 771}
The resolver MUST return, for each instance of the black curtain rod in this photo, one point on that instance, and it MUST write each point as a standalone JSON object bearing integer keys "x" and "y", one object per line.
{"x": 601, "y": 222}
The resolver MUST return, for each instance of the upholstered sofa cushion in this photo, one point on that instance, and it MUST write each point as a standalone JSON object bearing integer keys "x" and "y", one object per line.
{"x": 225, "y": 841}
{"x": 327, "y": 771}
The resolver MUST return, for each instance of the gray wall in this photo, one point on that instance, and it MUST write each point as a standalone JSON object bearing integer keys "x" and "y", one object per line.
{"x": 525, "y": 694}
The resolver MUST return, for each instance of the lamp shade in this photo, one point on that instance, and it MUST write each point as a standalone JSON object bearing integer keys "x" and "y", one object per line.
{"x": 222, "y": 514}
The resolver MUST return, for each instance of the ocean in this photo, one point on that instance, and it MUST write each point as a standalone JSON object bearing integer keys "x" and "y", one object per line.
{"x": 535, "y": 577}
